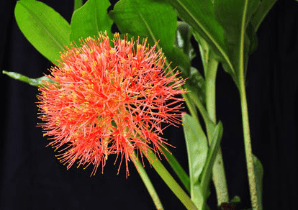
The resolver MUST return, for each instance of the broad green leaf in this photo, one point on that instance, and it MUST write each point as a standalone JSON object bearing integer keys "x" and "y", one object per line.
{"x": 44, "y": 28}
{"x": 234, "y": 16}
{"x": 184, "y": 178}
{"x": 90, "y": 19}
{"x": 258, "y": 168}
{"x": 212, "y": 153}
{"x": 252, "y": 36}
{"x": 155, "y": 20}
{"x": 200, "y": 16}
{"x": 34, "y": 82}
{"x": 147, "y": 18}
{"x": 197, "y": 150}
{"x": 262, "y": 11}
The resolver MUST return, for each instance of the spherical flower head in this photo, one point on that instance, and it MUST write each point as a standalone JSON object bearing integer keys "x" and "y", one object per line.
{"x": 109, "y": 100}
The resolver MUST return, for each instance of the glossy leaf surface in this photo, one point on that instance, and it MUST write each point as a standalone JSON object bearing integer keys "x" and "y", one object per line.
{"x": 215, "y": 144}
{"x": 44, "y": 28}
{"x": 90, "y": 19}
{"x": 196, "y": 84}
{"x": 234, "y": 16}
{"x": 183, "y": 45}
{"x": 197, "y": 150}
{"x": 262, "y": 11}
{"x": 153, "y": 19}
{"x": 200, "y": 16}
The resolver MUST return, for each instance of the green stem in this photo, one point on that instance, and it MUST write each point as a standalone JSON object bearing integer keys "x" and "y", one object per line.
{"x": 218, "y": 175}
{"x": 247, "y": 144}
{"x": 182, "y": 175}
{"x": 245, "y": 120}
{"x": 148, "y": 184}
{"x": 210, "y": 89}
{"x": 170, "y": 181}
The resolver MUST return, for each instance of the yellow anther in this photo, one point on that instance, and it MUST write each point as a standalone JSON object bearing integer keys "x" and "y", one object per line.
{"x": 90, "y": 86}
{"x": 139, "y": 46}
{"x": 74, "y": 96}
{"x": 89, "y": 39}
{"x": 112, "y": 51}
{"x": 67, "y": 69}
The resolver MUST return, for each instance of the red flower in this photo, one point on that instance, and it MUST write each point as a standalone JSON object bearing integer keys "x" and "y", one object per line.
{"x": 108, "y": 100}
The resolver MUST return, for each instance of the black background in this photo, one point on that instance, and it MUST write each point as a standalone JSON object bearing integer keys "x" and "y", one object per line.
{"x": 32, "y": 178}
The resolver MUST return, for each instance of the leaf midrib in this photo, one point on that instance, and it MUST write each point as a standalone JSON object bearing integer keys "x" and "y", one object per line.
{"x": 43, "y": 26}
{"x": 207, "y": 33}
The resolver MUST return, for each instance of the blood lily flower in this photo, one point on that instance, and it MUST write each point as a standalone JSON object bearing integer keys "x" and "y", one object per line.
{"x": 109, "y": 100}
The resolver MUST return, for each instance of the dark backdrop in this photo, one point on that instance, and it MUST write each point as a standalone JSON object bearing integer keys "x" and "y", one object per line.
{"x": 32, "y": 178}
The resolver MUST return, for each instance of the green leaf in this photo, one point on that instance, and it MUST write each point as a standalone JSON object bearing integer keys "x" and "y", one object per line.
{"x": 155, "y": 20}
{"x": 197, "y": 150}
{"x": 90, "y": 19}
{"x": 234, "y": 16}
{"x": 200, "y": 16}
{"x": 77, "y": 4}
{"x": 183, "y": 36}
{"x": 258, "y": 168}
{"x": 34, "y": 82}
{"x": 180, "y": 60}
{"x": 183, "y": 45}
{"x": 196, "y": 84}
{"x": 212, "y": 153}
{"x": 147, "y": 18}
{"x": 262, "y": 11}
{"x": 44, "y": 28}
{"x": 252, "y": 36}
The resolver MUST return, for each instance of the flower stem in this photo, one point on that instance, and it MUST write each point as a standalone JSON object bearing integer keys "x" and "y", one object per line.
{"x": 148, "y": 184}
{"x": 219, "y": 177}
{"x": 170, "y": 181}
{"x": 247, "y": 144}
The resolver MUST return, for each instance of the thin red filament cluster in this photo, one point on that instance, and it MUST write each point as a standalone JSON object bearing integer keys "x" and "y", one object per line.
{"x": 108, "y": 100}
